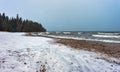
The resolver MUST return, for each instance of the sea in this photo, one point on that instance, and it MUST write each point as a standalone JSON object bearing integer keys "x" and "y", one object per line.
{"x": 106, "y": 37}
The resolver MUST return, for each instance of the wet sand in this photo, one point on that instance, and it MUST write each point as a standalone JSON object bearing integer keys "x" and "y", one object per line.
{"x": 109, "y": 49}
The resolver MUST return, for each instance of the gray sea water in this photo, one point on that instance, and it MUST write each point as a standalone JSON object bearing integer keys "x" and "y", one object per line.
{"x": 108, "y": 37}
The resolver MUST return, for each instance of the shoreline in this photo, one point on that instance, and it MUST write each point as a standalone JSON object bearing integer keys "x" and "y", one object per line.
{"x": 34, "y": 53}
{"x": 110, "y": 50}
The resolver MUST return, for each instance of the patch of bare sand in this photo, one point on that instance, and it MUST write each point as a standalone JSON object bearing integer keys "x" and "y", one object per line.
{"x": 28, "y": 34}
{"x": 110, "y": 50}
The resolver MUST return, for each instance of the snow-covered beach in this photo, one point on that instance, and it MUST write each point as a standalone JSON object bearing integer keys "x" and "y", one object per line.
{"x": 19, "y": 53}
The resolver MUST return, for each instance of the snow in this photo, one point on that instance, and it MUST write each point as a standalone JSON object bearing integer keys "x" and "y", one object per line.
{"x": 20, "y": 53}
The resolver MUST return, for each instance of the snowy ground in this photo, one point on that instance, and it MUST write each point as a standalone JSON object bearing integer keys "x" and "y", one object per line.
{"x": 20, "y": 53}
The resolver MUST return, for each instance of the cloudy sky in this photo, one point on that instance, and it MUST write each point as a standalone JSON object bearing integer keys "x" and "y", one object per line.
{"x": 67, "y": 15}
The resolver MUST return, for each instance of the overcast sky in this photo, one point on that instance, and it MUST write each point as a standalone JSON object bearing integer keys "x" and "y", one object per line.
{"x": 67, "y": 15}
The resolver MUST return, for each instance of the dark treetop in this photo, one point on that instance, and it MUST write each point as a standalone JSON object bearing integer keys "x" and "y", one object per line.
{"x": 19, "y": 25}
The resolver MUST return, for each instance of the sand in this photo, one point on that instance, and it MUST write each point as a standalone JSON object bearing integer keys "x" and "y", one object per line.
{"x": 109, "y": 49}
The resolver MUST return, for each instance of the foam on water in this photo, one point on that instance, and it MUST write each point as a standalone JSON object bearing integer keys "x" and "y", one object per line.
{"x": 107, "y": 36}
{"x": 101, "y": 33}
{"x": 91, "y": 36}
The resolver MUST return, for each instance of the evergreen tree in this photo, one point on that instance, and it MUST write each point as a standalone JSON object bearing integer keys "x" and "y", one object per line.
{"x": 19, "y": 25}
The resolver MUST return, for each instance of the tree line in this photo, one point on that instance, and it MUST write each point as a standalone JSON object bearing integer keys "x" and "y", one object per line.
{"x": 19, "y": 25}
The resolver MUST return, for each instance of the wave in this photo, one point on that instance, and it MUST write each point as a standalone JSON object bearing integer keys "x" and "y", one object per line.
{"x": 95, "y": 37}
{"x": 78, "y": 38}
{"x": 101, "y": 33}
{"x": 106, "y": 36}
{"x": 67, "y": 32}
